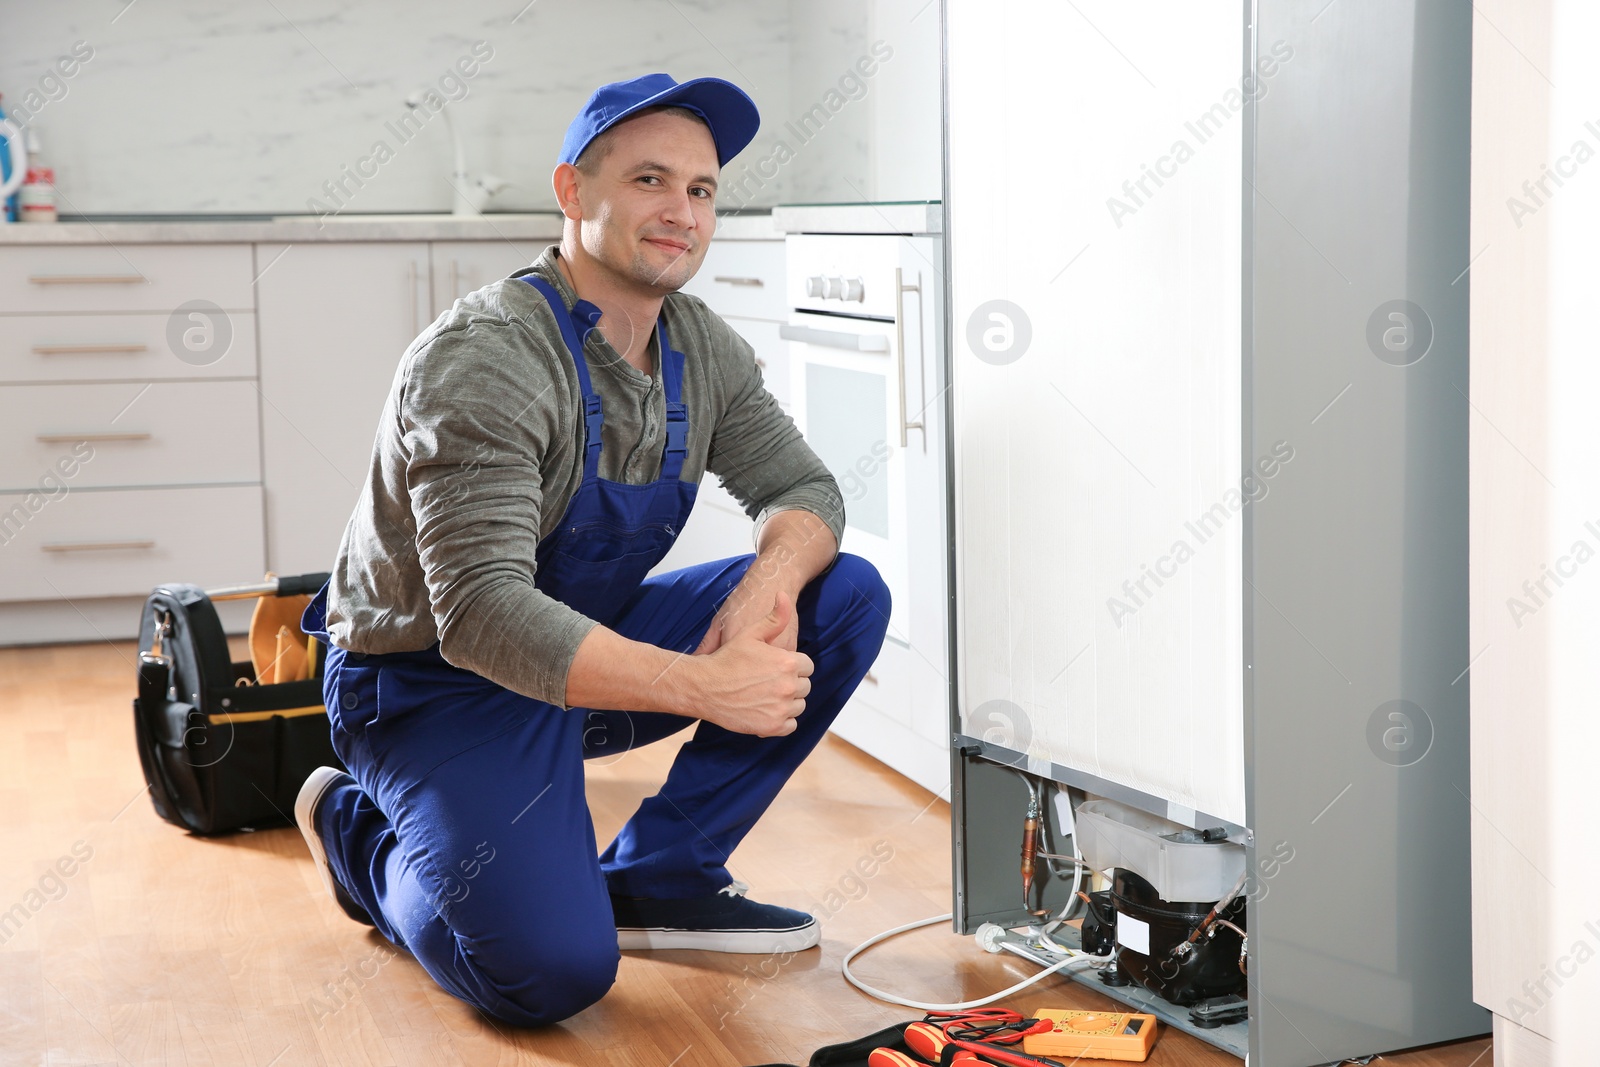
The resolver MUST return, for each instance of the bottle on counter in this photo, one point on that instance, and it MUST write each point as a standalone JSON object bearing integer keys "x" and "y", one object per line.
{"x": 8, "y": 154}
{"x": 36, "y": 200}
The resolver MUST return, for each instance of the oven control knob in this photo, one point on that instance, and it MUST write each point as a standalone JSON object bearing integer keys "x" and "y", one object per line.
{"x": 814, "y": 285}
{"x": 854, "y": 290}
{"x": 833, "y": 288}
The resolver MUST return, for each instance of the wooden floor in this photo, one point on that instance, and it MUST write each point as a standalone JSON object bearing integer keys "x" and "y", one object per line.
{"x": 161, "y": 948}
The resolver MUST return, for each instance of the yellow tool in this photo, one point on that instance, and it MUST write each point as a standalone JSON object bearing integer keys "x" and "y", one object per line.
{"x": 1097, "y": 1035}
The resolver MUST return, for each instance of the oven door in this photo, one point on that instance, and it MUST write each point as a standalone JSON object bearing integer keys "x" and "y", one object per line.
{"x": 845, "y": 385}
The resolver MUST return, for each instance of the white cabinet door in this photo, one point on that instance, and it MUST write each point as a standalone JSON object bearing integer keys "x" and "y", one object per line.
{"x": 459, "y": 267}
{"x": 335, "y": 320}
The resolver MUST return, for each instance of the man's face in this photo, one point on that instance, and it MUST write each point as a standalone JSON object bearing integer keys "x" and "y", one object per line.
{"x": 649, "y": 205}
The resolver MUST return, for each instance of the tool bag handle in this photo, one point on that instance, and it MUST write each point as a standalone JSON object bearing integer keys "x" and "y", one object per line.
{"x": 293, "y": 585}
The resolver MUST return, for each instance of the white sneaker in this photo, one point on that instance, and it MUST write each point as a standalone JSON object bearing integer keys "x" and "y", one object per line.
{"x": 306, "y": 804}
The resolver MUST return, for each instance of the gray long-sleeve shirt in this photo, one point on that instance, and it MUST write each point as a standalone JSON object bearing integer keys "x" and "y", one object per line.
{"x": 480, "y": 449}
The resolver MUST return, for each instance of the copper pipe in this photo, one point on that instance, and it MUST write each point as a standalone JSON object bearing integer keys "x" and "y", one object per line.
{"x": 1030, "y": 842}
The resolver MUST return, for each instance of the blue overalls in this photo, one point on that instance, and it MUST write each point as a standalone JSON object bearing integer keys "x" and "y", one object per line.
{"x": 469, "y": 840}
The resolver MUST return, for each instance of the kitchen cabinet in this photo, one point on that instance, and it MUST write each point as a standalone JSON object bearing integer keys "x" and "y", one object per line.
{"x": 89, "y": 544}
{"x": 78, "y": 279}
{"x": 132, "y": 435}
{"x": 88, "y": 350}
{"x": 335, "y": 321}
{"x": 94, "y": 345}
{"x": 331, "y": 351}
{"x": 743, "y": 281}
{"x": 129, "y": 445}
{"x": 209, "y": 462}
{"x": 460, "y": 267}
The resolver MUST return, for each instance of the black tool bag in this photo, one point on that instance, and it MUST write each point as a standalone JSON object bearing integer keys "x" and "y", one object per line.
{"x": 220, "y": 752}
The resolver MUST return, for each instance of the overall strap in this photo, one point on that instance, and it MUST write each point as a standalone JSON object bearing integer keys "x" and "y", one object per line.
{"x": 593, "y": 418}
{"x": 677, "y": 413}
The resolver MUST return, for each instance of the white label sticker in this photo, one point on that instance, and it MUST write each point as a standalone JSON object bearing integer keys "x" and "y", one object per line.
{"x": 1133, "y": 934}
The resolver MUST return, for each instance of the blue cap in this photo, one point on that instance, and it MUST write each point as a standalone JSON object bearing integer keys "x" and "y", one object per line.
{"x": 727, "y": 109}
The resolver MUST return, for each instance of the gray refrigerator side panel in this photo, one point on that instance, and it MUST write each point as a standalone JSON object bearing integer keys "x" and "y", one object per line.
{"x": 1360, "y": 926}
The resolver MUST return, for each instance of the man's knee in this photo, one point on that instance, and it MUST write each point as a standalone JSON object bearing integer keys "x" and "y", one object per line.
{"x": 558, "y": 981}
{"x": 867, "y": 590}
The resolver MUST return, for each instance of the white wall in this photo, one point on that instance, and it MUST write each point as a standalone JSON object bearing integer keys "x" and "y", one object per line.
{"x": 201, "y": 106}
{"x": 229, "y": 106}
{"x": 1535, "y": 493}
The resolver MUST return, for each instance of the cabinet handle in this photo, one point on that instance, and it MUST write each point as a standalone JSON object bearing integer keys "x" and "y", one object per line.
{"x": 69, "y": 438}
{"x": 900, "y": 290}
{"x": 94, "y": 546}
{"x": 411, "y": 297}
{"x": 86, "y": 350}
{"x": 87, "y": 279}
{"x": 729, "y": 279}
{"x": 856, "y": 342}
{"x": 870, "y": 677}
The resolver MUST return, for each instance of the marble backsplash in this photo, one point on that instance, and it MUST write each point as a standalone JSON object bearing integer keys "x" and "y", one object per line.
{"x": 229, "y": 106}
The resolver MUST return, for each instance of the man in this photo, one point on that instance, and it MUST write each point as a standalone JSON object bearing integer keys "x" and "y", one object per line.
{"x": 491, "y": 626}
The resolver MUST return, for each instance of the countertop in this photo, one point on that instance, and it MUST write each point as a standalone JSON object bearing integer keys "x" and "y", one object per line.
{"x": 793, "y": 218}
{"x": 309, "y": 228}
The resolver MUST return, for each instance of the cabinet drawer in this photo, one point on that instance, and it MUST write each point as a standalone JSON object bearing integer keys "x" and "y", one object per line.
{"x": 44, "y": 348}
{"x": 886, "y": 687}
{"x": 742, "y": 278}
{"x": 94, "y": 543}
{"x": 154, "y": 433}
{"x": 124, "y": 277}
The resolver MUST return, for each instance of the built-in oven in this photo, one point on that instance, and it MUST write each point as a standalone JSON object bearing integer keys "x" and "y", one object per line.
{"x": 867, "y": 374}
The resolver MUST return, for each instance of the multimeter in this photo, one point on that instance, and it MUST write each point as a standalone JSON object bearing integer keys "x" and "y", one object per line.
{"x": 1099, "y": 1035}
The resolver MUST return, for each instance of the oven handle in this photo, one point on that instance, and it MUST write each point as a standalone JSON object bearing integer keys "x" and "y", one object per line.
{"x": 855, "y": 342}
{"x": 900, "y": 291}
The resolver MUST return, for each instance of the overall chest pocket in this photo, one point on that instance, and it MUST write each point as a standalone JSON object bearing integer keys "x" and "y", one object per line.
{"x": 600, "y": 542}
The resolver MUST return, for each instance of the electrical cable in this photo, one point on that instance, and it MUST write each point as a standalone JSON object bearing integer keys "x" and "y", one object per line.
{"x": 921, "y": 1006}
{"x": 1079, "y": 866}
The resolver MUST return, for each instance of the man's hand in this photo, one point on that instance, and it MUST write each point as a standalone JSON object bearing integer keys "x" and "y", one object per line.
{"x": 795, "y": 547}
{"x": 751, "y": 603}
{"x": 747, "y": 674}
{"x": 750, "y": 684}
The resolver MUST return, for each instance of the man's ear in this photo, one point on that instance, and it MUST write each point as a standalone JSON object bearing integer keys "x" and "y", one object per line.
{"x": 565, "y": 182}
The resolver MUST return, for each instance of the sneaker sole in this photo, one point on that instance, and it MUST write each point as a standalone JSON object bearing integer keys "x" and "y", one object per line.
{"x": 753, "y": 942}
{"x": 306, "y": 803}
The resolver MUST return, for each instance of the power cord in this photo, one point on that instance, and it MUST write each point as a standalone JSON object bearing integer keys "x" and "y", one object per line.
{"x": 903, "y": 1002}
